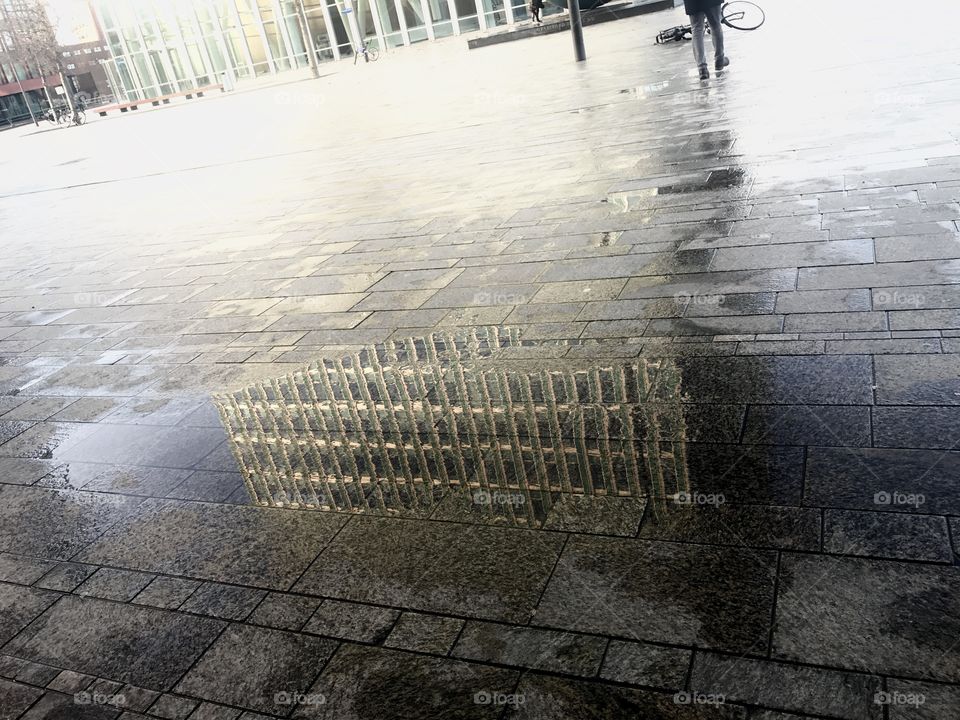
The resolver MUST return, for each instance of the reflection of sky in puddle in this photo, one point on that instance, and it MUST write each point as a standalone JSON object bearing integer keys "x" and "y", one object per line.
{"x": 479, "y": 426}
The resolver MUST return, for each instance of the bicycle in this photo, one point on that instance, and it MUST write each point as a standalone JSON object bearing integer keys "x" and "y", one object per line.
{"x": 57, "y": 115}
{"x": 737, "y": 14}
{"x": 370, "y": 54}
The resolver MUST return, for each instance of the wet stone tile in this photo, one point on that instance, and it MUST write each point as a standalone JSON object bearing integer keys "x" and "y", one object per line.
{"x": 824, "y": 301}
{"x": 550, "y": 650}
{"x": 24, "y": 471}
{"x": 779, "y": 380}
{"x": 53, "y": 706}
{"x": 424, "y": 633}
{"x": 172, "y": 707}
{"x": 645, "y": 664}
{"x": 787, "y": 687}
{"x": 601, "y": 515}
{"x": 828, "y": 425}
{"x": 65, "y": 577}
{"x": 124, "y": 479}
{"x": 173, "y": 447}
{"x": 365, "y": 682}
{"x": 283, "y": 611}
{"x": 887, "y": 535}
{"x": 352, "y": 621}
{"x": 848, "y": 612}
{"x": 228, "y": 602}
{"x": 918, "y": 380}
{"x": 782, "y": 528}
{"x": 764, "y": 474}
{"x": 130, "y": 643}
{"x": 166, "y": 592}
{"x": 215, "y": 542}
{"x": 19, "y": 605}
{"x": 555, "y": 698}
{"x": 207, "y": 486}
{"x": 254, "y": 668}
{"x": 138, "y": 699}
{"x": 55, "y": 524}
{"x": 939, "y": 702}
{"x": 15, "y": 698}
{"x": 662, "y": 592}
{"x": 437, "y": 567}
{"x": 21, "y": 569}
{"x": 211, "y": 711}
{"x": 70, "y": 682}
{"x": 36, "y": 673}
{"x": 111, "y": 584}
{"x": 910, "y": 481}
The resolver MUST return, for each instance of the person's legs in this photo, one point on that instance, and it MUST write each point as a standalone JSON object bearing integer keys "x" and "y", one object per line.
{"x": 697, "y": 30}
{"x": 716, "y": 29}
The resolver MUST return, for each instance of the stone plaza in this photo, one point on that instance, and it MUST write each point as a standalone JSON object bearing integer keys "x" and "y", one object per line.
{"x": 486, "y": 384}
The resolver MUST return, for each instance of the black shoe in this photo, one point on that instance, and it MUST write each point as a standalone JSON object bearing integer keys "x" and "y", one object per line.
{"x": 722, "y": 63}
{"x": 704, "y": 73}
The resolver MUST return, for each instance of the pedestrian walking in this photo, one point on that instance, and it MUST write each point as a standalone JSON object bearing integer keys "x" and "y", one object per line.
{"x": 535, "y": 7}
{"x": 702, "y": 12}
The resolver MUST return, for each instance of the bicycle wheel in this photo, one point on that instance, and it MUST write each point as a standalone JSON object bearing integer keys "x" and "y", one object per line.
{"x": 50, "y": 117}
{"x": 743, "y": 15}
{"x": 373, "y": 54}
{"x": 79, "y": 118}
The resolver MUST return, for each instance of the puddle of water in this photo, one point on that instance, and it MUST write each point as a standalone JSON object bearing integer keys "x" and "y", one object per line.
{"x": 451, "y": 426}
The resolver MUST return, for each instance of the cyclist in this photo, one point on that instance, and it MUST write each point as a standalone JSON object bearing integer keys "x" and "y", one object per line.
{"x": 701, "y": 11}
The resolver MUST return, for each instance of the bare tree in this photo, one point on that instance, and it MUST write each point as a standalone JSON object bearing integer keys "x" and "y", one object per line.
{"x": 35, "y": 42}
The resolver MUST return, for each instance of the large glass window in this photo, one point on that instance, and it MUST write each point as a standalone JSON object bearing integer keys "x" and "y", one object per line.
{"x": 467, "y": 15}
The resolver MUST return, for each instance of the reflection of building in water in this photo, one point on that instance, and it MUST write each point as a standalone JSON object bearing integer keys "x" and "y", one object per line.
{"x": 396, "y": 427}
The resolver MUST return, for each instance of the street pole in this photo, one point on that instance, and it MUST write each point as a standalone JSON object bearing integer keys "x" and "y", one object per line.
{"x": 353, "y": 25}
{"x": 576, "y": 29}
{"x": 26, "y": 101}
{"x": 307, "y": 36}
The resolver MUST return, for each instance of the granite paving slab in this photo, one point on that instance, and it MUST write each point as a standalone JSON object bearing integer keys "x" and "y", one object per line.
{"x": 263, "y": 547}
{"x": 128, "y": 643}
{"x": 662, "y": 592}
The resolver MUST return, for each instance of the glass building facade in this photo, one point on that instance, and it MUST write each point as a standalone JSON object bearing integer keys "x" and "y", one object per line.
{"x": 160, "y": 47}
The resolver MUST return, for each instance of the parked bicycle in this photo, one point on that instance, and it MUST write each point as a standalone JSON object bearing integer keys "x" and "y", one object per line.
{"x": 57, "y": 115}
{"x": 737, "y": 14}
{"x": 369, "y": 53}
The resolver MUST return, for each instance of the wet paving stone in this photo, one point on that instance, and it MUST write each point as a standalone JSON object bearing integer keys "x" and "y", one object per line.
{"x": 887, "y": 535}
{"x": 909, "y": 481}
{"x": 266, "y": 548}
{"x": 808, "y": 425}
{"x": 909, "y": 700}
{"x": 781, "y": 528}
{"x": 56, "y": 524}
{"x": 144, "y": 646}
{"x": 257, "y": 668}
{"x": 436, "y": 567}
{"x": 759, "y": 474}
{"x": 352, "y": 621}
{"x": 787, "y": 687}
{"x": 554, "y": 698}
{"x": 110, "y": 584}
{"x": 228, "y": 602}
{"x": 846, "y": 612}
{"x": 66, "y": 577}
{"x": 284, "y": 611}
{"x": 166, "y": 592}
{"x": 177, "y": 447}
{"x": 363, "y": 682}
{"x": 424, "y": 633}
{"x": 662, "y": 592}
{"x": 53, "y": 706}
{"x": 918, "y": 380}
{"x": 779, "y": 380}
{"x": 15, "y": 698}
{"x": 19, "y": 606}
{"x": 565, "y": 653}
{"x": 645, "y": 664}
{"x": 21, "y": 569}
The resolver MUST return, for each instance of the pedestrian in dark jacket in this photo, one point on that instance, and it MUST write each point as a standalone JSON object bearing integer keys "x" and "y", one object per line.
{"x": 535, "y": 7}
{"x": 700, "y": 12}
